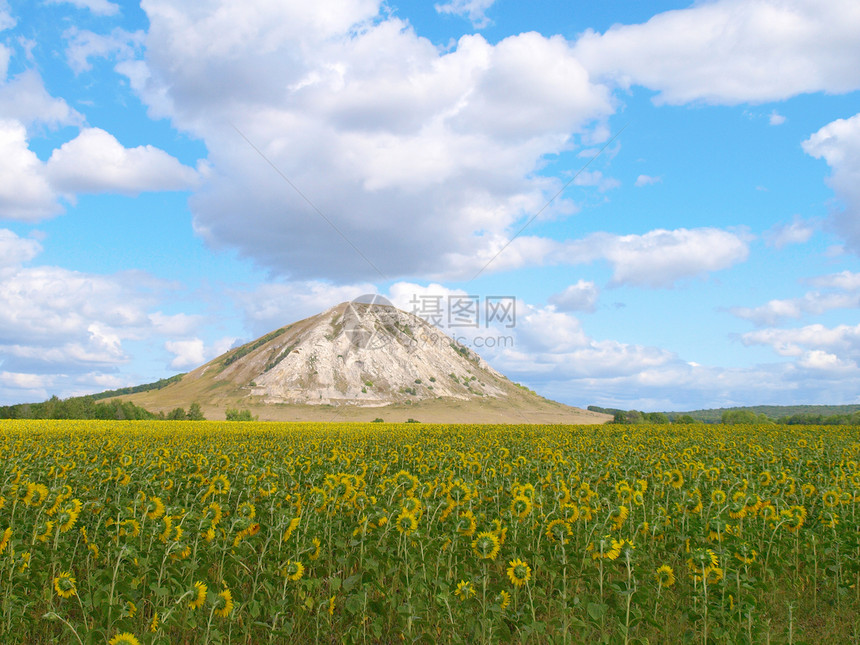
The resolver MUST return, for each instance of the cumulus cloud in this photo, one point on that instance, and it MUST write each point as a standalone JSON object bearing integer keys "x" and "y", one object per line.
{"x": 843, "y": 340}
{"x": 84, "y": 45}
{"x": 269, "y": 306}
{"x": 474, "y": 10}
{"x": 660, "y": 258}
{"x": 25, "y": 192}
{"x": 581, "y": 296}
{"x": 15, "y": 250}
{"x": 92, "y": 162}
{"x": 647, "y": 180}
{"x": 7, "y": 21}
{"x": 95, "y": 162}
{"x": 193, "y": 352}
{"x": 23, "y": 98}
{"x": 838, "y": 143}
{"x": 419, "y": 157}
{"x": 98, "y": 7}
{"x": 797, "y": 231}
{"x": 733, "y": 51}
{"x": 813, "y": 302}
{"x": 847, "y": 280}
{"x": 775, "y": 118}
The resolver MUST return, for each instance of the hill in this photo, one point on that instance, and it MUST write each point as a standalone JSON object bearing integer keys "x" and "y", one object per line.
{"x": 357, "y": 362}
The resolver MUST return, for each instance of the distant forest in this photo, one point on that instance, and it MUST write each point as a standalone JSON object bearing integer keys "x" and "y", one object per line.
{"x": 79, "y": 407}
{"x": 91, "y": 406}
{"x": 783, "y": 414}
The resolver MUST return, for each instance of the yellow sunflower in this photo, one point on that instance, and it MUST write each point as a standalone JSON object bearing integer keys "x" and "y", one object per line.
{"x": 199, "y": 595}
{"x": 64, "y": 584}
{"x": 224, "y": 603}
{"x": 665, "y": 576}
{"x": 519, "y": 572}
{"x": 124, "y": 638}
{"x": 486, "y": 545}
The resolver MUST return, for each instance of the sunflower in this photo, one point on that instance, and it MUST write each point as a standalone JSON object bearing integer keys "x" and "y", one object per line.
{"x": 406, "y": 522}
{"x": 155, "y": 508}
{"x": 618, "y": 516}
{"x": 486, "y": 545}
{"x": 718, "y": 496}
{"x": 124, "y": 639}
{"x": 224, "y": 603}
{"x": 503, "y": 599}
{"x": 293, "y": 570}
{"x": 464, "y": 590}
{"x": 199, "y": 595}
{"x": 559, "y": 531}
{"x": 830, "y": 498}
{"x": 247, "y": 509}
{"x": 665, "y": 576}
{"x": 519, "y": 572}
{"x": 521, "y": 506}
{"x": 606, "y": 548}
{"x": 4, "y": 541}
{"x": 64, "y": 584}
{"x": 68, "y": 516}
{"x": 218, "y": 486}
{"x": 316, "y": 552}
{"x": 293, "y": 525}
{"x": 467, "y": 524}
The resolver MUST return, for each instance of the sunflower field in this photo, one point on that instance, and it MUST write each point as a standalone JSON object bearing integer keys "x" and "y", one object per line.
{"x": 153, "y": 532}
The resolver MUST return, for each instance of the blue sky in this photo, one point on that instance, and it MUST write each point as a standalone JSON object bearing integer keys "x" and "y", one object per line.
{"x": 702, "y": 250}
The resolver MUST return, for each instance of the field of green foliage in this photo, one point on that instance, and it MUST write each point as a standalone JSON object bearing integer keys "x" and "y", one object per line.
{"x": 149, "y": 532}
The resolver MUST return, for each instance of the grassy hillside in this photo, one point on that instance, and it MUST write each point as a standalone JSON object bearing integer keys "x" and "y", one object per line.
{"x": 773, "y": 412}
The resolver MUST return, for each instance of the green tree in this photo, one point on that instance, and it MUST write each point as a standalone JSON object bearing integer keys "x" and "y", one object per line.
{"x": 195, "y": 413}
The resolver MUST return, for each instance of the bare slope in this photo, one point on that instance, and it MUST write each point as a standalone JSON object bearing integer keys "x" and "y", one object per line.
{"x": 359, "y": 362}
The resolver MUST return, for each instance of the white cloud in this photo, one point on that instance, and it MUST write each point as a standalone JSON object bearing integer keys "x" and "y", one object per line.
{"x": 847, "y": 280}
{"x": 194, "y": 353}
{"x": 581, "y": 296}
{"x": 797, "y": 231}
{"x": 19, "y": 381}
{"x": 838, "y": 143}
{"x": 95, "y": 162}
{"x": 474, "y": 10}
{"x": 811, "y": 303}
{"x": 660, "y": 258}
{"x": 419, "y": 157}
{"x": 843, "y": 340}
{"x": 5, "y": 56}
{"x": 84, "y": 44}
{"x": 270, "y": 306}
{"x": 647, "y": 180}
{"x": 98, "y": 7}
{"x": 14, "y": 250}
{"x": 733, "y": 51}
{"x": 7, "y": 21}
{"x": 776, "y": 119}
{"x": 25, "y": 192}
{"x": 24, "y": 98}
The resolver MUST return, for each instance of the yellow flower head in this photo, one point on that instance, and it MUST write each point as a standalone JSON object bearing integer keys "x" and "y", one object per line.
{"x": 224, "y": 603}
{"x": 465, "y": 590}
{"x": 486, "y": 545}
{"x": 665, "y": 576}
{"x": 124, "y": 638}
{"x": 294, "y": 570}
{"x": 198, "y": 595}
{"x": 64, "y": 584}
{"x": 519, "y": 572}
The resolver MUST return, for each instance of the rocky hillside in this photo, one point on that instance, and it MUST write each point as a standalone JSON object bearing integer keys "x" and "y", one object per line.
{"x": 355, "y": 355}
